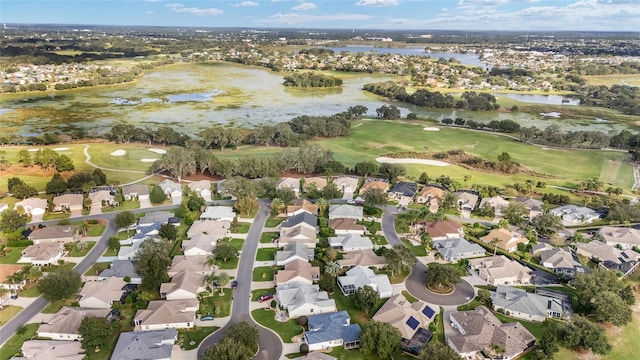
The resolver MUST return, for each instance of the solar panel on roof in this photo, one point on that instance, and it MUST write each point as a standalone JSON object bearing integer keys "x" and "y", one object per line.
{"x": 412, "y": 322}
{"x": 428, "y": 311}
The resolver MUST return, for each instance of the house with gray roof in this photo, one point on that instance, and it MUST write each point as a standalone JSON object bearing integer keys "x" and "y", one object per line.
{"x": 68, "y": 202}
{"x": 202, "y": 188}
{"x": 157, "y": 345}
{"x": 360, "y": 276}
{"x": 65, "y": 323}
{"x": 478, "y": 332}
{"x": 183, "y": 285}
{"x": 346, "y": 211}
{"x": 121, "y": 269}
{"x": 301, "y": 299}
{"x": 171, "y": 188}
{"x": 625, "y": 261}
{"x": 51, "y": 349}
{"x": 562, "y": 261}
{"x": 403, "y": 192}
{"x": 150, "y": 218}
{"x": 164, "y": 314}
{"x": 43, "y": 254}
{"x": 330, "y": 330}
{"x": 523, "y": 305}
{"x": 223, "y": 213}
{"x": 135, "y": 191}
{"x": 623, "y": 237}
{"x": 350, "y": 242}
{"x": 200, "y": 244}
{"x": 294, "y": 251}
{"x": 101, "y": 294}
{"x": 466, "y": 200}
{"x": 457, "y": 248}
{"x": 54, "y": 233}
{"x": 535, "y": 206}
{"x": 575, "y": 215}
{"x": 303, "y": 218}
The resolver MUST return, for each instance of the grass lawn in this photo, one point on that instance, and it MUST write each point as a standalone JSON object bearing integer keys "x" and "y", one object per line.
{"x": 54, "y": 306}
{"x": 30, "y": 291}
{"x": 378, "y": 240}
{"x": 8, "y": 313}
{"x": 97, "y": 268}
{"x": 57, "y": 216}
{"x": 101, "y": 156}
{"x": 217, "y": 305}
{"x": 74, "y": 252}
{"x": 192, "y": 338}
{"x": 228, "y": 265}
{"x": 355, "y": 354}
{"x": 266, "y": 254}
{"x": 409, "y": 297}
{"x": 286, "y": 330}
{"x": 470, "y": 306}
{"x": 397, "y": 279}
{"x": 242, "y": 228}
{"x": 264, "y": 273}
{"x": 12, "y": 256}
{"x": 439, "y": 333}
{"x": 95, "y": 230}
{"x": 417, "y": 250}
{"x": 14, "y": 344}
{"x": 124, "y": 206}
{"x": 273, "y": 222}
{"x": 357, "y": 316}
{"x": 110, "y": 252}
{"x": 535, "y": 328}
{"x": 236, "y": 243}
{"x": 255, "y": 294}
{"x": 267, "y": 237}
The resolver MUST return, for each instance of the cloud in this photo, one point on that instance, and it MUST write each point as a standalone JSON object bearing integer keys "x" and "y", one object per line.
{"x": 304, "y": 6}
{"x": 149, "y": 12}
{"x": 378, "y": 2}
{"x": 247, "y": 3}
{"x": 179, "y": 8}
{"x": 297, "y": 18}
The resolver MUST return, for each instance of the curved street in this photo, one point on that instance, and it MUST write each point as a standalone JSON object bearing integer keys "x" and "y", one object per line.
{"x": 270, "y": 345}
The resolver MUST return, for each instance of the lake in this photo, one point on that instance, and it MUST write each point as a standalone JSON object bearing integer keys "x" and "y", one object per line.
{"x": 540, "y": 99}
{"x": 193, "y": 97}
{"x": 466, "y": 59}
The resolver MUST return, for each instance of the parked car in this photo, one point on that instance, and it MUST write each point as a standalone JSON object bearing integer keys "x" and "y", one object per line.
{"x": 234, "y": 284}
{"x": 265, "y": 297}
{"x": 14, "y": 296}
{"x": 207, "y": 317}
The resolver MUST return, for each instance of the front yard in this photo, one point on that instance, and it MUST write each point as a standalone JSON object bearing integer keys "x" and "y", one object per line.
{"x": 217, "y": 305}
{"x": 266, "y": 254}
{"x": 264, "y": 273}
{"x": 286, "y": 330}
{"x": 267, "y": 237}
{"x": 417, "y": 250}
{"x": 11, "y": 255}
{"x": 191, "y": 338}
{"x": 14, "y": 344}
{"x": 80, "y": 249}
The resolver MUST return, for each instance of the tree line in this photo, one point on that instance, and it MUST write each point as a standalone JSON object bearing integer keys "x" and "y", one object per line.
{"x": 311, "y": 79}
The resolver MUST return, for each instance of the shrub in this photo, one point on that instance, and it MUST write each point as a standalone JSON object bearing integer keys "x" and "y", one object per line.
{"x": 304, "y": 348}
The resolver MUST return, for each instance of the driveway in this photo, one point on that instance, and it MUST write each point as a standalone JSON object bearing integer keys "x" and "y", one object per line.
{"x": 145, "y": 203}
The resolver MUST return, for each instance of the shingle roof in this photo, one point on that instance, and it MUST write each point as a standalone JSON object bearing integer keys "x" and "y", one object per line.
{"x": 301, "y": 218}
{"x": 69, "y": 199}
{"x": 67, "y": 320}
{"x": 345, "y": 211}
{"x": 53, "y": 232}
{"x": 397, "y": 311}
{"x": 351, "y": 240}
{"x": 331, "y": 326}
{"x": 42, "y": 251}
{"x": 156, "y": 217}
{"x": 294, "y": 249}
{"x": 345, "y": 224}
{"x": 506, "y": 239}
{"x": 295, "y": 269}
{"x": 167, "y": 312}
{"x": 519, "y": 300}
{"x": 457, "y": 248}
{"x": 105, "y": 291}
{"x": 135, "y": 188}
{"x": 51, "y": 349}
{"x": 363, "y": 257}
{"x": 405, "y": 188}
{"x": 157, "y": 344}
{"x": 121, "y": 269}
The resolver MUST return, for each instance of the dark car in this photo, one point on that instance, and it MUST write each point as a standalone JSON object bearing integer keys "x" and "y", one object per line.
{"x": 207, "y": 317}
{"x": 14, "y": 296}
{"x": 234, "y": 284}
{"x": 265, "y": 297}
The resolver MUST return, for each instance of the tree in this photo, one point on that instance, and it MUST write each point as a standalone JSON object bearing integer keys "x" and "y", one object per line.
{"x": 589, "y": 285}
{"x": 195, "y": 203}
{"x": 366, "y": 168}
{"x": 247, "y": 205}
{"x": 333, "y": 269}
{"x": 323, "y": 205}
{"x": 245, "y": 334}
{"x": 223, "y": 280}
{"x": 585, "y": 335}
{"x": 505, "y": 158}
{"x": 380, "y": 339}
{"x": 57, "y": 185}
{"x": 64, "y": 163}
{"x": 399, "y": 259}
{"x": 95, "y": 331}
{"x": 439, "y": 351}
{"x": 374, "y": 197}
{"x": 224, "y": 252}
{"x": 327, "y": 283}
{"x": 152, "y": 262}
{"x": 124, "y": 219}
{"x": 609, "y": 307}
{"x": 442, "y": 277}
{"x": 178, "y": 161}
{"x": 392, "y": 171}
{"x": 546, "y": 223}
{"x": 24, "y": 158}
{"x": 33, "y": 273}
{"x": 277, "y": 205}
{"x": 157, "y": 195}
{"x": 11, "y": 220}
{"x": 168, "y": 232}
{"x": 60, "y": 285}
{"x": 366, "y": 298}
{"x": 46, "y": 158}
{"x": 515, "y": 213}
{"x": 114, "y": 244}
{"x": 228, "y": 349}
{"x": 546, "y": 347}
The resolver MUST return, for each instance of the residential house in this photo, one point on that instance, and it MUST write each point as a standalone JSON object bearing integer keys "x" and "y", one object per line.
{"x": 466, "y": 200}
{"x": 171, "y": 189}
{"x": 102, "y": 198}
{"x": 318, "y": 182}
{"x": 344, "y": 211}
{"x": 521, "y": 304}
{"x": 301, "y": 206}
{"x": 54, "y": 233}
{"x": 440, "y": 230}
{"x": 165, "y": 314}
{"x": 347, "y": 185}
{"x": 455, "y": 249}
{"x": 403, "y": 192}
{"x": 302, "y": 219}
{"x": 371, "y": 183}
{"x": 350, "y": 242}
{"x": 496, "y": 202}
{"x": 156, "y": 217}
{"x": 197, "y": 264}
{"x": 217, "y": 229}
{"x": 218, "y": 213}
{"x": 429, "y": 193}
{"x": 44, "y": 254}
{"x": 301, "y": 299}
{"x": 535, "y": 206}
{"x": 200, "y": 244}
{"x": 539, "y": 248}
{"x": 123, "y": 269}
{"x": 101, "y": 294}
{"x": 300, "y": 234}
{"x": 366, "y": 257}
{"x": 129, "y": 252}
{"x": 289, "y": 183}
{"x": 562, "y": 261}
{"x": 504, "y": 239}
{"x": 202, "y": 188}
{"x": 500, "y": 270}
{"x": 623, "y": 237}
{"x": 625, "y": 261}
{"x": 359, "y": 276}
{"x": 6, "y": 271}
{"x": 298, "y": 271}
{"x": 135, "y": 191}
{"x": 330, "y": 330}
{"x": 575, "y": 215}
{"x": 478, "y": 333}
{"x": 50, "y": 349}
{"x": 65, "y": 323}
{"x": 294, "y": 251}
{"x": 68, "y": 202}
{"x": 183, "y": 285}
{"x": 157, "y": 345}
{"x": 32, "y": 206}
{"x": 411, "y": 319}
{"x": 343, "y": 226}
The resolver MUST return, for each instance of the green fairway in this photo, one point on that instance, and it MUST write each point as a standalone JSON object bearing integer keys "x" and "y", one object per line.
{"x": 101, "y": 155}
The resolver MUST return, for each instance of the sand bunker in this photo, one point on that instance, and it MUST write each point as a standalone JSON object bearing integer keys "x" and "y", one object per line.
{"x": 412, "y": 161}
{"x": 61, "y": 149}
{"x": 149, "y": 160}
{"x": 118, "y": 153}
{"x": 158, "y": 151}
{"x": 429, "y": 128}
{"x": 33, "y": 150}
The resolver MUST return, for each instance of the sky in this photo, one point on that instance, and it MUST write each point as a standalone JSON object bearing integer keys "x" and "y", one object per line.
{"x": 522, "y": 15}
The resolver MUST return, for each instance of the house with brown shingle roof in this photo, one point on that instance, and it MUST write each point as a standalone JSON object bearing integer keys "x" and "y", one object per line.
{"x": 365, "y": 257}
{"x": 101, "y": 294}
{"x": 54, "y": 233}
{"x": 197, "y": 263}
{"x": 68, "y": 202}
{"x": 346, "y": 226}
{"x": 500, "y": 270}
{"x": 319, "y": 182}
{"x": 298, "y": 271}
{"x": 429, "y": 193}
{"x": 506, "y": 240}
{"x": 42, "y": 254}
{"x": 214, "y": 228}
{"x": 65, "y": 323}
{"x": 300, "y": 206}
{"x": 183, "y": 285}
{"x": 292, "y": 184}
{"x": 375, "y": 184}
{"x": 301, "y": 233}
{"x": 626, "y": 237}
{"x": 440, "y": 230}
{"x": 164, "y": 314}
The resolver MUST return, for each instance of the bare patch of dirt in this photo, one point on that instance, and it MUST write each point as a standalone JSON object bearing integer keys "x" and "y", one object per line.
{"x": 28, "y": 171}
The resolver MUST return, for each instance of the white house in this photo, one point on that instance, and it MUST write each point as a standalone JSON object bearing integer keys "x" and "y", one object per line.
{"x": 330, "y": 330}
{"x": 65, "y": 323}
{"x": 32, "y": 206}
{"x": 359, "y": 276}
{"x": 575, "y": 215}
{"x": 101, "y": 294}
{"x": 289, "y": 183}
{"x": 346, "y": 211}
{"x": 301, "y": 299}
{"x": 43, "y": 254}
{"x": 200, "y": 244}
{"x": 166, "y": 314}
{"x": 350, "y": 242}
{"x": 218, "y": 213}
{"x": 294, "y": 251}
{"x": 184, "y": 285}
{"x": 202, "y": 188}
{"x": 170, "y": 188}
{"x": 500, "y": 270}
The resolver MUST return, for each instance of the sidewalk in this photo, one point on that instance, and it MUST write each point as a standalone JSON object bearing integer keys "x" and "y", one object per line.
{"x": 264, "y": 263}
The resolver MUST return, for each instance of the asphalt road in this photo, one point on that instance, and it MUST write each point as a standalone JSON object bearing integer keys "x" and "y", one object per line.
{"x": 270, "y": 345}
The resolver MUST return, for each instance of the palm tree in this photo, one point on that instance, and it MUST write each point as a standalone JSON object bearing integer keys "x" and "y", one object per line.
{"x": 426, "y": 240}
{"x": 211, "y": 261}
{"x": 276, "y": 206}
{"x": 332, "y": 268}
{"x": 223, "y": 279}
{"x": 503, "y": 224}
{"x": 16, "y": 278}
{"x": 33, "y": 274}
{"x": 3, "y": 292}
{"x": 211, "y": 278}
{"x": 323, "y": 205}
{"x": 494, "y": 242}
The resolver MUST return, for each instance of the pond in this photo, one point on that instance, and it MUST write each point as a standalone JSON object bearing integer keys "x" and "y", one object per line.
{"x": 540, "y": 99}
{"x": 466, "y": 59}
{"x": 192, "y": 97}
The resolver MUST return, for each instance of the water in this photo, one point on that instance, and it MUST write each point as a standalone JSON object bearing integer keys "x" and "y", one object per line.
{"x": 540, "y": 99}
{"x": 466, "y": 59}
{"x": 172, "y": 98}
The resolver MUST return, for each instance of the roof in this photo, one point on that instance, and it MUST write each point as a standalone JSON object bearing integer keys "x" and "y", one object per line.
{"x": 483, "y": 329}
{"x": 297, "y": 268}
{"x": 531, "y": 204}
{"x": 620, "y": 235}
{"x": 197, "y": 263}
{"x": 7, "y": 270}
{"x": 53, "y": 232}
{"x": 346, "y": 181}
{"x": 405, "y": 316}
{"x": 294, "y": 249}
{"x": 68, "y": 199}
{"x": 350, "y": 240}
{"x": 167, "y": 312}
{"x": 521, "y": 301}
{"x": 457, "y": 248}
{"x": 156, "y": 217}
{"x": 157, "y": 344}
{"x": 496, "y": 202}
{"x": 199, "y": 185}
{"x": 287, "y": 182}
{"x": 297, "y": 294}
{"x": 359, "y": 276}
{"x": 203, "y": 242}
{"x": 374, "y": 184}
{"x": 500, "y": 267}
{"x": 135, "y": 189}
{"x": 320, "y": 182}
{"x": 99, "y": 196}
{"x": 298, "y": 219}
{"x": 67, "y": 320}
{"x": 506, "y": 239}
{"x": 42, "y": 251}
{"x": 218, "y": 212}
{"x": 363, "y": 257}
{"x": 51, "y": 349}
{"x": 217, "y": 228}
{"x": 466, "y": 198}
{"x": 607, "y": 253}
{"x": 298, "y": 233}
{"x": 574, "y": 214}
{"x": 106, "y": 291}
{"x": 560, "y": 258}
{"x": 170, "y": 185}
{"x": 121, "y": 269}
{"x": 438, "y": 229}
{"x": 434, "y": 191}
{"x": 405, "y": 188}
{"x": 185, "y": 280}
{"x": 303, "y": 204}
{"x": 345, "y": 224}
{"x": 345, "y": 211}
{"x": 331, "y": 326}
{"x": 32, "y": 203}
